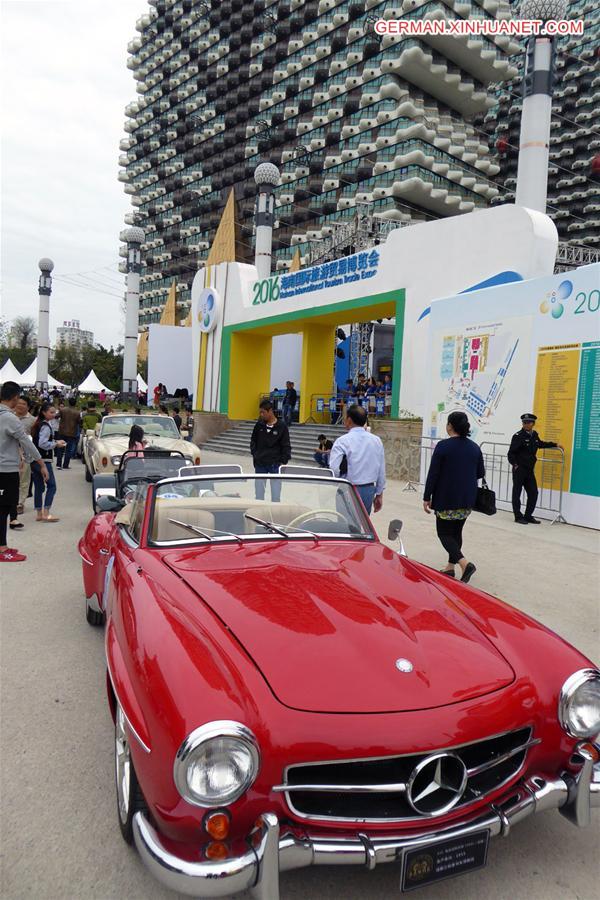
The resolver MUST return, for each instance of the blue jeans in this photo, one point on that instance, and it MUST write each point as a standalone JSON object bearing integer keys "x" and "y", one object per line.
{"x": 287, "y": 413}
{"x": 43, "y": 493}
{"x": 68, "y": 451}
{"x": 322, "y": 458}
{"x": 366, "y": 493}
{"x": 260, "y": 483}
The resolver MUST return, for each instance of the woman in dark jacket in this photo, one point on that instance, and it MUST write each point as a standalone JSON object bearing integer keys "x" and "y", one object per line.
{"x": 451, "y": 489}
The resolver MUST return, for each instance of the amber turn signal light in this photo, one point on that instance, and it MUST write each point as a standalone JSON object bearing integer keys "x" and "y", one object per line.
{"x": 217, "y": 825}
{"x": 216, "y": 850}
{"x": 593, "y": 751}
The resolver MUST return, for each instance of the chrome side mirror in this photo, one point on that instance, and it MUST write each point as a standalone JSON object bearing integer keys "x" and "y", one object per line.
{"x": 394, "y": 529}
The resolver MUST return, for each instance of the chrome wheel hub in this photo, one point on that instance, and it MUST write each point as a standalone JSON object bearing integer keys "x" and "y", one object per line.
{"x": 122, "y": 766}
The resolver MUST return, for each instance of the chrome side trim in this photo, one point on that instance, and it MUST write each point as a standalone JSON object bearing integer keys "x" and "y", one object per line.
{"x": 144, "y": 746}
{"x": 84, "y": 559}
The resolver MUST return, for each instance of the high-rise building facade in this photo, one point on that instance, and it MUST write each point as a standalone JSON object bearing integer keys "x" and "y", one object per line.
{"x": 348, "y": 116}
{"x": 574, "y": 165}
{"x": 71, "y": 334}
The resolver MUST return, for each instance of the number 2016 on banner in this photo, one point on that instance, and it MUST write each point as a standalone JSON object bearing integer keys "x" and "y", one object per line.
{"x": 265, "y": 291}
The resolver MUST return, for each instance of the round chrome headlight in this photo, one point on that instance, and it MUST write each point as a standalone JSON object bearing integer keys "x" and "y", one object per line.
{"x": 216, "y": 764}
{"x": 115, "y": 460}
{"x": 579, "y": 704}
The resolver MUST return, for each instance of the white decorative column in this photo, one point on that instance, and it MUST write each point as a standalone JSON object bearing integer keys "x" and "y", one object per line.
{"x": 538, "y": 78}
{"x": 134, "y": 238}
{"x": 43, "y": 339}
{"x": 266, "y": 176}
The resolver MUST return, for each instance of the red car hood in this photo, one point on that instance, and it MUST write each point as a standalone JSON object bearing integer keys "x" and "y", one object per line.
{"x": 325, "y": 624}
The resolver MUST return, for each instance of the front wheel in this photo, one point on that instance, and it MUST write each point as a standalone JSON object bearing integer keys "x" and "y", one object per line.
{"x": 129, "y": 796}
{"x": 92, "y": 615}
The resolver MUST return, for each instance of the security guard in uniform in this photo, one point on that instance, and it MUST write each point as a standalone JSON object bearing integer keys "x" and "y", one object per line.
{"x": 522, "y": 457}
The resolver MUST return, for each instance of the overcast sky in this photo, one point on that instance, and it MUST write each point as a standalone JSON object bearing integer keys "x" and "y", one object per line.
{"x": 65, "y": 84}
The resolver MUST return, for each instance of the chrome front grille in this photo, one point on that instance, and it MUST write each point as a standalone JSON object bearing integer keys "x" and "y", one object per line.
{"x": 395, "y": 788}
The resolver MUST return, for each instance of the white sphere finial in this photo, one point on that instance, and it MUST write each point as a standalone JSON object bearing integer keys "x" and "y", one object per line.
{"x": 134, "y": 235}
{"x": 546, "y": 10}
{"x": 266, "y": 173}
{"x": 46, "y": 264}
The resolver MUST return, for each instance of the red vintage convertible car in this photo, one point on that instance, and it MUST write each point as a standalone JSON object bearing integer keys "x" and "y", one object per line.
{"x": 288, "y": 691}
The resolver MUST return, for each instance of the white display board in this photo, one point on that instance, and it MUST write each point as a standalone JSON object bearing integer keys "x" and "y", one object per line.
{"x": 532, "y": 346}
{"x": 170, "y": 359}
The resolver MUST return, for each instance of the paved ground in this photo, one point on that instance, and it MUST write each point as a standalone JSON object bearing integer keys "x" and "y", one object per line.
{"x": 59, "y": 832}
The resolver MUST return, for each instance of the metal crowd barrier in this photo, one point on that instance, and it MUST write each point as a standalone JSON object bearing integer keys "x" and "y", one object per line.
{"x": 420, "y": 451}
{"x": 549, "y": 472}
{"x": 329, "y": 408}
{"x": 276, "y": 398}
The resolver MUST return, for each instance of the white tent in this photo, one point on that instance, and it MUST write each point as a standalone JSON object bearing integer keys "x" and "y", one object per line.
{"x": 9, "y": 372}
{"x": 29, "y": 376}
{"x": 92, "y": 385}
{"x": 53, "y": 383}
{"x": 142, "y": 386}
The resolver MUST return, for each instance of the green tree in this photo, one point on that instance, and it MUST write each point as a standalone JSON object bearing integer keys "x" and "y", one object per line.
{"x": 23, "y": 333}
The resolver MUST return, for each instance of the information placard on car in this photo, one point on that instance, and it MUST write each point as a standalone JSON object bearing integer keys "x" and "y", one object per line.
{"x": 444, "y": 860}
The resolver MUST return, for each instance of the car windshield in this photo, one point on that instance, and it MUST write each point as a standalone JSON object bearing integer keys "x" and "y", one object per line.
{"x": 139, "y": 465}
{"x": 159, "y": 426}
{"x": 208, "y": 509}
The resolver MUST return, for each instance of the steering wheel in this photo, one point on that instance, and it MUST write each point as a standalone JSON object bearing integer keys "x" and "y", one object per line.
{"x": 315, "y": 513}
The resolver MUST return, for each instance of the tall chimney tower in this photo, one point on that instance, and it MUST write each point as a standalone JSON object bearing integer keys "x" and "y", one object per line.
{"x": 538, "y": 78}
{"x": 266, "y": 176}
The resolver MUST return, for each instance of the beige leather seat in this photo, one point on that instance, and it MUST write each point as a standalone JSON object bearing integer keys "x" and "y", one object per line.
{"x": 279, "y": 513}
{"x": 164, "y": 530}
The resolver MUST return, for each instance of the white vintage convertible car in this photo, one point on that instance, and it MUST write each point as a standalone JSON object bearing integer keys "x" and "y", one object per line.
{"x": 104, "y": 446}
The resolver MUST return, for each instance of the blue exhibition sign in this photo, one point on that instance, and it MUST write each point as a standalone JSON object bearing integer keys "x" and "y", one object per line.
{"x": 357, "y": 267}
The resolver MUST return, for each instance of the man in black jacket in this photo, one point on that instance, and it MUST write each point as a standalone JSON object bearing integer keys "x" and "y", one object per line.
{"x": 270, "y": 448}
{"x": 522, "y": 457}
{"x": 289, "y": 402}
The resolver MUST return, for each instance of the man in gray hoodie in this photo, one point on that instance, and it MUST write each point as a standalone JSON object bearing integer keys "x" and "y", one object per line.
{"x": 13, "y": 438}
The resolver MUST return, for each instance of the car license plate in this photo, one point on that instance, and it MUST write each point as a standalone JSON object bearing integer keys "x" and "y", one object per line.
{"x": 444, "y": 860}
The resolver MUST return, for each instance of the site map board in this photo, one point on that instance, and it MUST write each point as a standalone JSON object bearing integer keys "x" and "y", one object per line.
{"x": 531, "y": 346}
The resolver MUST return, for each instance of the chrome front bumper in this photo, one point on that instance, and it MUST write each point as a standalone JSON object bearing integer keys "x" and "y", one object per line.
{"x": 258, "y": 869}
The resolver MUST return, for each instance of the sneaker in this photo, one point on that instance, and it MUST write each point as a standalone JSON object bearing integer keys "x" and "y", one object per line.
{"x": 521, "y": 520}
{"x": 531, "y": 521}
{"x": 12, "y": 555}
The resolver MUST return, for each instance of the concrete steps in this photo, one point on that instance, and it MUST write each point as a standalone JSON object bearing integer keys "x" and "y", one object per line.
{"x": 236, "y": 440}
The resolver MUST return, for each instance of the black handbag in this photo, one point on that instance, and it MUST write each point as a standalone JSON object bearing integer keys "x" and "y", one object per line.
{"x": 486, "y": 500}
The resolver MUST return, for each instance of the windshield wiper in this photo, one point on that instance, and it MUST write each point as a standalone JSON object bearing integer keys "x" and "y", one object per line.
{"x": 214, "y": 530}
{"x": 297, "y": 528}
{"x": 268, "y": 525}
{"x": 193, "y": 528}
